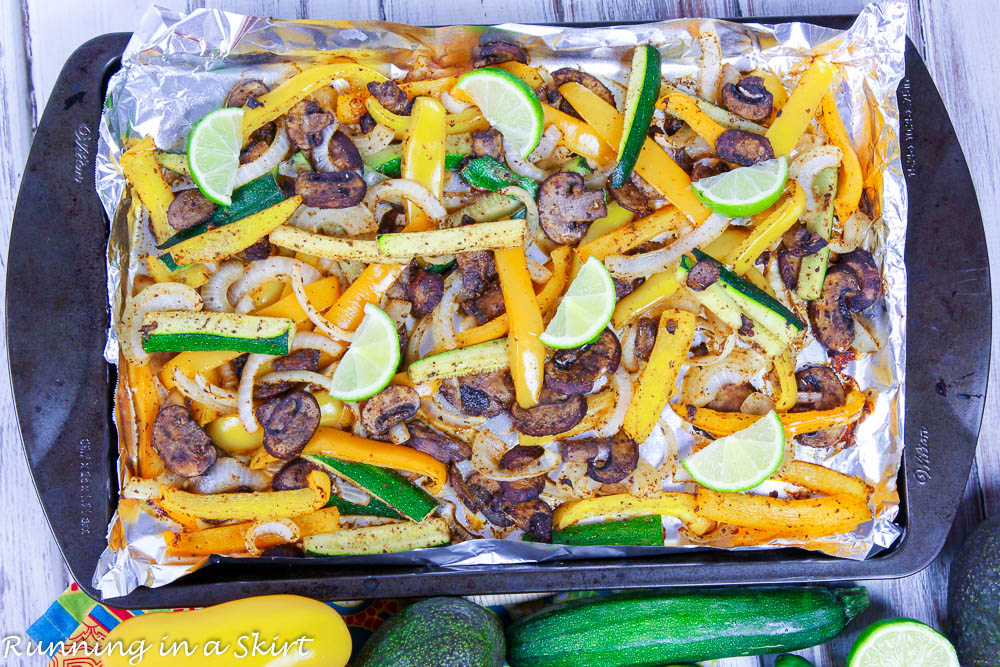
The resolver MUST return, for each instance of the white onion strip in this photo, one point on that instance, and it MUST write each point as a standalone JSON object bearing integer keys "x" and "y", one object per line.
{"x": 375, "y": 140}
{"x": 264, "y": 271}
{"x": 546, "y": 144}
{"x": 216, "y": 291}
{"x": 214, "y": 397}
{"x": 533, "y": 226}
{"x": 623, "y": 396}
{"x": 709, "y": 65}
{"x": 155, "y": 298}
{"x": 520, "y": 165}
{"x": 487, "y": 449}
{"x": 712, "y": 359}
{"x": 448, "y": 415}
{"x": 245, "y": 392}
{"x": 285, "y": 529}
{"x": 416, "y": 339}
{"x": 442, "y": 317}
{"x": 629, "y": 360}
{"x": 539, "y": 273}
{"x": 298, "y": 377}
{"x": 805, "y": 167}
{"x": 266, "y": 162}
{"x": 227, "y": 475}
{"x": 323, "y": 324}
{"x": 321, "y": 154}
{"x": 452, "y": 104}
{"x": 310, "y": 340}
{"x": 352, "y": 221}
{"x": 408, "y": 190}
{"x": 629, "y": 267}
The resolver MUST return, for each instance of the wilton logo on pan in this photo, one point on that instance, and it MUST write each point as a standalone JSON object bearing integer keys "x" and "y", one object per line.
{"x": 923, "y": 457}
{"x": 81, "y": 153}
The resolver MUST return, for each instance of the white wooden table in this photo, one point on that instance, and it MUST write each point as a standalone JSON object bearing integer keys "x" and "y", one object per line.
{"x": 956, "y": 39}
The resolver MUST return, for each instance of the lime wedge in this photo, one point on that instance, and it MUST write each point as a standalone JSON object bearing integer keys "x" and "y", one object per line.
{"x": 902, "y": 642}
{"x": 585, "y": 309}
{"x": 742, "y": 460}
{"x": 744, "y": 190}
{"x": 371, "y": 360}
{"x": 214, "y": 153}
{"x": 508, "y": 104}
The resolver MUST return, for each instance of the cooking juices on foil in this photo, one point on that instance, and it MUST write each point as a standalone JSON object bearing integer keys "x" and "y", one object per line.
{"x": 179, "y": 67}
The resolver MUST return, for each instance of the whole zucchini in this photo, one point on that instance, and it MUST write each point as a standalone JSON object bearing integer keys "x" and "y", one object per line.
{"x": 681, "y": 625}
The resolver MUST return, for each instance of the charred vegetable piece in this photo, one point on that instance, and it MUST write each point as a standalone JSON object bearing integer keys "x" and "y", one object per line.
{"x": 495, "y": 53}
{"x": 482, "y": 394}
{"x": 521, "y": 456}
{"x": 337, "y": 189}
{"x": 574, "y": 371}
{"x": 748, "y": 98}
{"x": 645, "y": 336}
{"x": 189, "y": 208}
{"x": 863, "y": 265}
{"x": 289, "y": 422}
{"x": 565, "y": 206}
{"x": 549, "y": 418}
{"x": 444, "y": 448}
{"x": 743, "y": 148}
{"x": 487, "y": 143}
{"x": 621, "y": 460}
{"x": 393, "y": 405}
{"x": 424, "y": 291}
{"x": 185, "y": 448}
{"x": 534, "y": 518}
{"x": 391, "y": 96}
{"x": 486, "y": 173}
{"x": 830, "y": 314}
{"x": 549, "y": 93}
{"x": 245, "y": 93}
{"x": 305, "y": 122}
{"x": 343, "y": 153}
{"x": 480, "y": 494}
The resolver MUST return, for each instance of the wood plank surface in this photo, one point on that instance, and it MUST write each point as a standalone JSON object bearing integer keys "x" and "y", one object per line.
{"x": 36, "y": 37}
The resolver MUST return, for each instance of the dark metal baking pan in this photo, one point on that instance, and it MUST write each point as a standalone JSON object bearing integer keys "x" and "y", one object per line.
{"x": 57, "y": 318}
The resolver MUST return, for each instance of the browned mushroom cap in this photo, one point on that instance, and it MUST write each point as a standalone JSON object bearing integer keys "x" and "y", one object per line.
{"x": 366, "y": 123}
{"x": 748, "y": 98}
{"x": 575, "y": 371}
{"x": 549, "y": 93}
{"x": 185, "y": 448}
{"x": 730, "y": 397}
{"x": 306, "y": 359}
{"x": 583, "y": 450}
{"x": 494, "y": 53}
{"x": 424, "y": 291}
{"x": 343, "y": 153}
{"x": 393, "y": 405}
{"x": 521, "y": 490}
{"x": 706, "y": 167}
{"x": 480, "y": 494}
{"x": 520, "y": 457}
{"x": 487, "y": 143}
{"x": 565, "y": 205}
{"x": 391, "y": 96}
{"x": 549, "y": 418}
{"x": 304, "y": 124}
{"x": 293, "y": 475}
{"x": 489, "y": 304}
{"x": 535, "y": 518}
{"x": 264, "y": 392}
{"x": 863, "y": 265}
{"x": 703, "y": 275}
{"x": 477, "y": 268}
{"x": 743, "y": 148}
{"x": 335, "y": 189}
{"x": 645, "y": 337}
{"x": 259, "y": 250}
{"x": 630, "y": 197}
{"x": 240, "y": 95}
{"x": 788, "y": 267}
{"x": 831, "y": 319}
{"x": 188, "y": 209}
{"x": 289, "y": 422}
{"x": 482, "y": 394}
{"x": 801, "y": 242}
{"x": 821, "y": 380}
{"x": 442, "y": 447}
{"x": 622, "y": 458}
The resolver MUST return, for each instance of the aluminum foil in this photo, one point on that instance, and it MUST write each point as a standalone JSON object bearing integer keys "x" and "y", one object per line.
{"x": 178, "y": 67}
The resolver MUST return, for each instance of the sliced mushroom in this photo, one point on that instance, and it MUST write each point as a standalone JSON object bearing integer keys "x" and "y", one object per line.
{"x": 267, "y": 391}
{"x": 748, "y": 98}
{"x": 623, "y": 288}
{"x": 730, "y": 397}
{"x": 863, "y": 265}
{"x": 825, "y": 384}
{"x": 575, "y": 371}
{"x": 583, "y": 450}
{"x": 645, "y": 337}
{"x": 534, "y": 518}
{"x": 343, "y": 153}
{"x": 801, "y": 242}
{"x": 703, "y": 275}
{"x": 743, "y": 148}
{"x": 424, "y": 291}
{"x": 305, "y": 122}
{"x": 293, "y": 475}
{"x": 305, "y": 359}
{"x": 487, "y": 143}
{"x": 488, "y": 305}
{"x": 393, "y": 220}
{"x": 482, "y": 394}
{"x": 241, "y": 94}
{"x": 477, "y": 268}
{"x": 706, "y": 167}
{"x": 393, "y": 405}
{"x": 549, "y": 93}
{"x": 335, "y": 189}
{"x": 521, "y": 490}
{"x": 289, "y": 422}
{"x": 494, "y": 53}
{"x": 184, "y": 446}
{"x": 830, "y": 316}
{"x": 259, "y": 250}
{"x": 520, "y": 457}
{"x": 630, "y": 197}
{"x": 189, "y": 208}
{"x": 480, "y": 494}
{"x": 549, "y": 418}
{"x": 391, "y": 96}
{"x": 366, "y": 123}
{"x": 788, "y": 267}
{"x": 442, "y": 447}
{"x": 565, "y": 205}
{"x": 622, "y": 459}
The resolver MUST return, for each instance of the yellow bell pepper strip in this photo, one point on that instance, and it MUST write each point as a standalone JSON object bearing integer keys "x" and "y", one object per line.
{"x": 654, "y": 165}
{"x": 232, "y": 539}
{"x": 463, "y": 122}
{"x": 203, "y": 414}
{"x": 193, "y": 362}
{"x": 222, "y": 242}
{"x": 625, "y": 506}
{"x": 430, "y": 87}
{"x": 684, "y": 107}
{"x": 280, "y": 100}
{"x": 627, "y": 237}
{"x": 261, "y": 505}
{"x": 578, "y": 136}
{"x": 268, "y": 630}
{"x": 145, "y": 407}
{"x": 656, "y": 383}
{"x": 322, "y": 294}
{"x": 652, "y": 293}
{"x": 829, "y": 514}
{"x": 597, "y": 407}
{"x": 140, "y": 167}
{"x": 849, "y": 180}
{"x": 192, "y": 275}
{"x": 525, "y": 351}
{"x": 349, "y": 447}
{"x": 725, "y": 244}
{"x": 262, "y": 459}
{"x": 523, "y": 72}
{"x": 788, "y": 390}
{"x": 617, "y": 217}
{"x": 788, "y": 127}
{"x": 768, "y": 231}
{"x": 726, "y": 423}
{"x": 469, "y": 120}
{"x": 823, "y": 480}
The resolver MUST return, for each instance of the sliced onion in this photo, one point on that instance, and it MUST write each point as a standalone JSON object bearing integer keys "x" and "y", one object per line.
{"x": 539, "y": 273}
{"x": 709, "y": 65}
{"x": 710, "y": 359}
{"x": 629, "y": 360}
{"x": 351, "y": 493}
{"x": 155, "y": 298}
{"x": 757, "y": 404}
{"x": 217, "y": 398}
{"x": 629, "y": 267}
{"x": 216, "y": 291}
{"x": 455, "y": 185}
{"x": 323, "y": 324}
{"x": 314, "y": 341}
{"x": 264, "y": 271}
{"x": 399, "y": 434}
{"x": 398, "y": 310}
{"x": 227, "y": 475}
{"x": 372, "y": 142}
{"x": 321, "y": 154}
{"x": 546, "y": 144}
{"x": 520, "y": 165}
{"x": 435, "y": 406}
{"x": 286, "y": 529}
{"x": 453, "y": 105}
{"x": 352, "y": 221}
{"x": 245, "y": 392}
{"x": 533, "y": 226}
{"x": 442, "y": 317}
{"x": 416, "y": 339}
{"x": 408, "y": 190}
{"x": 266, "y": 162}
{"x": 805, "y": 167}
{"x": 487, "y": 449}
{"x": 701, "y": 384}
{"x": 297, "y": 376}
{"x": 623, "y": 396}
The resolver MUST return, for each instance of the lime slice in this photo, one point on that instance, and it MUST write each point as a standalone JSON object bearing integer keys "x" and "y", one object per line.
{"x": 585, "y": 309}
{"x": 214, "y": 153}
{"x": 742, "y": 460}
{"x": 508, "y": 104}
{"x": 370, "y": 361}
{"x": 902, "y": 642}
{"x": 744, "y": 190}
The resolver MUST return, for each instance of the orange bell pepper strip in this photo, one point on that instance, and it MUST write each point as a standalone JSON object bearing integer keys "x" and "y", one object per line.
{"x": 578, "y": 136}
{"x": 849, "y": 181}
{"x": 798, "y": 112}
{"x": 145, "y": 407}
{"x": 525, "y": 350}
{"x": 349, "y": 447}
{"x": 322, "y": 294}
{"x": 823, "y": 480}
{"x": 652, "y": 293}
{"x": 624, "y": 506}
{"x": 523, "y": 72}
{"x": 431, "y": 87}
{"x": 634, "y": 234}
{"x": 656, "y": 382}
{"x": 254, "y": 506}
{"x": 829, "y": 514}
{"x": 685, "y": 108}
{"x": 654, "y": 165}
{"x": 140, "y": 167}
{"x": 769, "y": 230}
{"x": 232, "y": 539}
{"x": 726, "y": 423}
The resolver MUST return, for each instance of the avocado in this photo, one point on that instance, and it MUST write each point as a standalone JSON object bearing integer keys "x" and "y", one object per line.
{"x": 974, "y": 597}
{"x": 439, "y": 632}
